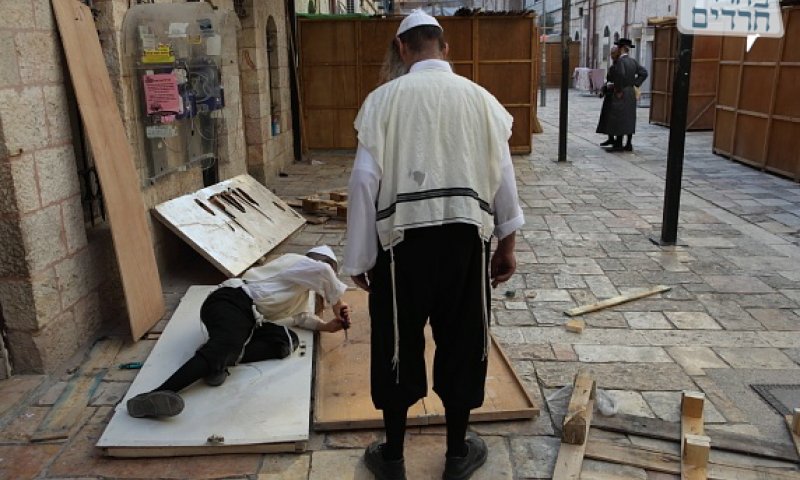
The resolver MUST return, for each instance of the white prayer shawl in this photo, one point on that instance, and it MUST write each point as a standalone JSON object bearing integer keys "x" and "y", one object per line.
{"x": 450, "y": 172}
{"x": 280, "y": 289}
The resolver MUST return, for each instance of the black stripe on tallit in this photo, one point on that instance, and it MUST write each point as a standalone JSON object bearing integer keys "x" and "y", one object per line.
{"x": 435, "y": 193}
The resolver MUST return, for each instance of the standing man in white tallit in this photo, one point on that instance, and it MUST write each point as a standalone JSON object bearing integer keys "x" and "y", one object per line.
{"x": 431, "y": 184}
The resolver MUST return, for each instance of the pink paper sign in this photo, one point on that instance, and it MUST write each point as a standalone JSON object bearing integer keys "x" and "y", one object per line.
{"x": 161, "y": 94}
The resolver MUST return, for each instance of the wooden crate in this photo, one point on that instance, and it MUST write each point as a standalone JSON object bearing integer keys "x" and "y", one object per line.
{"x": 758, "y": 109}
{"x": 553, "y": 64}
{"x": 340, "y": 60}
{"x": 703, "y": 86}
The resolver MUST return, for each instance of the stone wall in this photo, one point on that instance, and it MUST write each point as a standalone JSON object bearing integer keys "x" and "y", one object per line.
{"x": 51, "y": 276}
{"x": 58, "y": 278}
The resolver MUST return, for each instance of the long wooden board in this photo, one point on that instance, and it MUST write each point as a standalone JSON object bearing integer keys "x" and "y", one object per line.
{"x": 231, "y": 244}
{"x": 342, "y": 399}
{"x": 261, "y": 407}
{"x": 570, "y": 455}
{"x": 669, "y": 462}
{"x": 694, "y": 444}
{"x": 615, "y": 301}
{"x": 723, "y": 440}
{"x": 115, "y": 167}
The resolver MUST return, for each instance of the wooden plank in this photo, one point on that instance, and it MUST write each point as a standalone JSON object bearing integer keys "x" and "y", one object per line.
{"x": 570, "y": 455}
{"x": 575, "y": 325}
{"x": 794, "y": 429}
{"x": 341, "y": 386}
{"x": 616, "y": 301}
{"x": 579, "y": 413}
{"x": 61, "y": 419}
{"x": 118, "y": 177}
{"x": 231, "y": 244}
{"x": 723, "y": 440}
{"x": 694, "y": 445}
{"x": 160, "y": 452}
{"x": 669, "y": 462}
{"x": 235, "y": 410}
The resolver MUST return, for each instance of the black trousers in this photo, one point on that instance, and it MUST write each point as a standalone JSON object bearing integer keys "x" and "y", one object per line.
{"x": 227, "y": 314}
{"x": 438, "y": 276}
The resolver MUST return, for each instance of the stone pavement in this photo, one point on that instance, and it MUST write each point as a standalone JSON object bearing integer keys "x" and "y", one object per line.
{"x": 731, "y": 319}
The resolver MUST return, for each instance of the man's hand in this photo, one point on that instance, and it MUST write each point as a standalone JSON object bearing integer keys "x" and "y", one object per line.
{"x": 503, "y": 263}
{"x": 342, "y": 312}
{"x": 361, "y": 281}
{"x": 333, "y": 325}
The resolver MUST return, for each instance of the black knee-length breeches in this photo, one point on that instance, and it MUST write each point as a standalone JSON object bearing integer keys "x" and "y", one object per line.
{"x": 227, "y": 314}
{"x": 438, "y": 276}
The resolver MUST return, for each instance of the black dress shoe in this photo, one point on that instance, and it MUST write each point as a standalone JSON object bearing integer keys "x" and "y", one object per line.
{"x": 607, "y": 143}
{"x": 155, "y": 404}
{"x": 615, "y": 148}
{"x": 217, "y": 378}
{"x": 461, "y": 468}
{"x": 628, "y": 148}
{"x": 380, "y": 467}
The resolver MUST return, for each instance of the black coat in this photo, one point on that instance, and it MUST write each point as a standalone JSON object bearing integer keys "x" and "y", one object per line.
{"x": 618, "y": 115}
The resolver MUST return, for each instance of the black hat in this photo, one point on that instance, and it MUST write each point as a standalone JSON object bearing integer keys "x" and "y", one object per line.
{"x": 624, "y": 42}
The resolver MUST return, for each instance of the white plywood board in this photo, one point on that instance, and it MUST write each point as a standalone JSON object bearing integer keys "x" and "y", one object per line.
{"x": 259, "y": 403}
{"x": 230, "y": 246}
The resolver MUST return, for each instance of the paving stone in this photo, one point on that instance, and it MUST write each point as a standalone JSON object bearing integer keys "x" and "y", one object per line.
{"x": 695, "y": 359}
{"x": 81, "y": 458}
{"x": 353, "y": 439}
{"x": 793, "y": 353}
{"x": 526, "y": 351}
{"x": 736, "y": 284}
{"x": 774, "y": 319}
{"x": 516, "y": 306}
{"x": 534, "y": 457}
{"x": 647, "y": 320}
{"x": 601, "y": 286}
{"x": 16, "y": 389}
{"x": 109, "y": 394}
{"x": 751, "y": 358}
{"x": 591, "y": 336}
{"x": 621, "y": 376}
{"x": 581, "y": 266}
{"x": 513, "y": 317}
{"x": 728, "y": 313}
{"x": 692, "y": 321}
{"x": 667, "y": 406}
{"x": 605, "y": 319}
{"x": 548, "y": 295}
{"x": 564, "y": 353}
{"x": 631, "y": 403}
{"x": 23, "y": 426}
{"x": 26, "y": 461}
{"x": 285, "y": 467}
{"x": 621, "y": 353}
{"x": 568, "y": 281}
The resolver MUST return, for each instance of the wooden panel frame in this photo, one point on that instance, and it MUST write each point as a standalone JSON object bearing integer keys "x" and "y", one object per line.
{"x": 123, "y": 199}
{"x": 341, "y": 384}
{"x": 368, "y": 39}
{"x": 706, "y": 56}
{"x": 773, "y": 145}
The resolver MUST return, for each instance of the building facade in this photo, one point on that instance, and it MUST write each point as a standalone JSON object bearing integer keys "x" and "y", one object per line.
{"x": 59, "y": 282}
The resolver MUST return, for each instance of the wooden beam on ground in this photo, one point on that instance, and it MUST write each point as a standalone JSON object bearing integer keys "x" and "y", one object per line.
{"x": 78, "y": 392}
{"x": 695, "y": 445}
{"x": 160, "y": 452}
{"x": 793, "y": 422}
{"x": 723, "y": 440}
{"x": 650, "y": 458}
{"x": 579, "y": 412}
{"x": 570, "y": 455}
{"x": 616, "y": 301}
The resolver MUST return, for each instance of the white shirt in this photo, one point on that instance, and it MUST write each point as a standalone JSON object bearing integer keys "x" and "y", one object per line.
{"x": 361, "y": 250}
{"x": 280, "y": 289}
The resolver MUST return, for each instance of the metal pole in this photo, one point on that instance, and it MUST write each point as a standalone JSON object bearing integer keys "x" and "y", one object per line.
{"x": 563, "y": 107}
{"x": 543, "y": 73}
{"x": 677, "y": 142}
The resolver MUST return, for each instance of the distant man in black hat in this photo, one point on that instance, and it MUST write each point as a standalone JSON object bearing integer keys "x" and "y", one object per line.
{"x": 618, "y": 117}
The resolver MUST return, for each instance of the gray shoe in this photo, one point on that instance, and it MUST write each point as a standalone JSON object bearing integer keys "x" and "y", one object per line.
{"x": 383, "y": 469}
{"x": 461, "y": 468}
{"x": 217, "y": 378}
{"x": 155, "y": 404}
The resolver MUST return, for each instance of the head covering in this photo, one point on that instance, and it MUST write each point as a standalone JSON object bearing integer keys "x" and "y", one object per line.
{"x": 417, "y": 18}
{"x": 325, "y": 251}
{"x": 624, "y": 42}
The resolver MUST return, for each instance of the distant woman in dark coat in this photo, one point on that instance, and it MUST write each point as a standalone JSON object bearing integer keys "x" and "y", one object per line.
{"x": 618, "y": 116}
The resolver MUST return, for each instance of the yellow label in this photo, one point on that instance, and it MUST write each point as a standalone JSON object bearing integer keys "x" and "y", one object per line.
{"x": 161, "y": 54}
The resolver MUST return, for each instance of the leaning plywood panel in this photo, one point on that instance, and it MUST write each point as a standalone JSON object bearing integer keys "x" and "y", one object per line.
{"x": 261, "y": 407}
{"x": 231, "y": 224}
{"x": 342, "y": 399}
{"x": 118, "y": 177}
